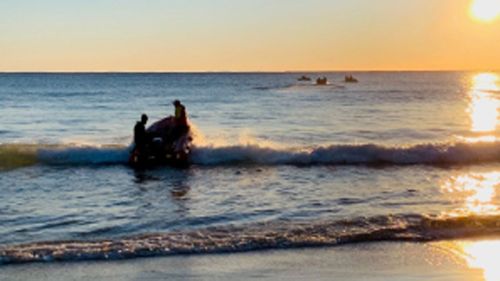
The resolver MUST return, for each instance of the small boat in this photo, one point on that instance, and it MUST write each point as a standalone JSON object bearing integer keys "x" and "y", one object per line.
{"x": 321, "y": 81}
{"x": 304, "y": 78}
{"x": 167, "y": 144}
{"x": 350, "y": 79}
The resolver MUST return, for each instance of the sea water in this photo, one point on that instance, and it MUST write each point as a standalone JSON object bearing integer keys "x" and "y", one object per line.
{"x": 276, "y": 163}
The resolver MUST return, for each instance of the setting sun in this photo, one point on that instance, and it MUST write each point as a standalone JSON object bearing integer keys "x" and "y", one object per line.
{"x": 485, "y": 10}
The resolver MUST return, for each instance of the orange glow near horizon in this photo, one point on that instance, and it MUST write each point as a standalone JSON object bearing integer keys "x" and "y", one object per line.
{"x": 485, "y": 10}
{"x": 249, "y": 35}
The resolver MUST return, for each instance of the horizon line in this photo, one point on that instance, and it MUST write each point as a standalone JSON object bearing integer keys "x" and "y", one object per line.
{"x": 234, "y": 71}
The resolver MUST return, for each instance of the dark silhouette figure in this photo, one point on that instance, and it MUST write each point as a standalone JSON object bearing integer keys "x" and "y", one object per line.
{"x": 140, "y": 135}
{"x": 181, "y": 123}
{"x": 304, "y": 78}
{"x": 166, "y": 141}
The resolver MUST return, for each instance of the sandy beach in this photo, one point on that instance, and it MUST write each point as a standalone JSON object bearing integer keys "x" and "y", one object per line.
{"x": 443, "y": 261}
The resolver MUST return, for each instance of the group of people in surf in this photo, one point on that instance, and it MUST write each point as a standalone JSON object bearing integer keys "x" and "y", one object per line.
{"x": 324, "y": 81}
{"x": 142, "y": 137}
{"x": 321, "y": 81}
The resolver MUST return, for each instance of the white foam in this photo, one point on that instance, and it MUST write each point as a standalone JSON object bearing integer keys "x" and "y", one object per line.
{"x": 268, "y": 154}
{"x": 454, "y": 153}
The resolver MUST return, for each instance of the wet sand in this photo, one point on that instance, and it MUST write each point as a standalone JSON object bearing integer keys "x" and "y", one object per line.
{"x": 443, "y": 261}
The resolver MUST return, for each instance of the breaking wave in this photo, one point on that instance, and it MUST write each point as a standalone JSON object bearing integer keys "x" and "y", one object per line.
{"x": 18, "y": 155}
{"x": 368, "y": 154}
{"x": 272, "y": 235}
{"x": 21, "y": 155}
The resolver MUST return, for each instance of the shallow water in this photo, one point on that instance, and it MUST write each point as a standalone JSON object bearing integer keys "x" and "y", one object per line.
{"x": 398, "y": 150}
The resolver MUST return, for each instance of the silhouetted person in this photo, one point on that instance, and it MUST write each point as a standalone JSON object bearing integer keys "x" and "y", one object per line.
{"x": 180, "y": 113}
{"x": 140, "y": 135}
{"x": 181, "y": 123}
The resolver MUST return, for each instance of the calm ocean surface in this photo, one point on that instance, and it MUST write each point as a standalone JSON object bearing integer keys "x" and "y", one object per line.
{"x": 277, "y": 163}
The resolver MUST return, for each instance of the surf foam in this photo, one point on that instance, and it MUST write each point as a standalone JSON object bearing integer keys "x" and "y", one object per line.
{"x": 20, "y": 155}
{"x": 271, "y": 235}
{"x": 367, "y": 154}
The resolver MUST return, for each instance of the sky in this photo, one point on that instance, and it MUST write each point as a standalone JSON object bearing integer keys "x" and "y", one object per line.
{"x": 247, "y": 35}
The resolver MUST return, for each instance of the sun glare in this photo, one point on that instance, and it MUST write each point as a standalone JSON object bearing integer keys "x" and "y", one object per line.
{"x": 476, "y": 191}
{"x": 483, "y": 255}
{"x": 485, "y": 10}
{"x": 484, "y": 104}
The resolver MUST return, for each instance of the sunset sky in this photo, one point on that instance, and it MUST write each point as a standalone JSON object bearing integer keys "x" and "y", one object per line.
{"x": 248, "y": 35}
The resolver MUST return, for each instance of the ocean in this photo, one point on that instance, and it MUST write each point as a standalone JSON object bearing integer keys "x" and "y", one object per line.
{"x": 276, "y": 163}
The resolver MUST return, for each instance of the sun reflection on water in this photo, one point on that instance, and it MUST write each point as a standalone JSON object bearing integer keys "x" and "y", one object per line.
{"x": 484, "y": 104}
{"x": 477, "y": 191}
{"x": 483, "y": 255}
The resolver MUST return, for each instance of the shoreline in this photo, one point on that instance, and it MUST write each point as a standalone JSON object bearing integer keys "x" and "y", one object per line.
{"x": 445, "y": 261}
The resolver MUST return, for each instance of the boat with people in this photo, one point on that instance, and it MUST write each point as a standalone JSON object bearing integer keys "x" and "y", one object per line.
{"x": 350, "y": 79}
{"x": 166, "y": 142}
{"x": 321, "y": 81}
{"x": 304, "y": 78}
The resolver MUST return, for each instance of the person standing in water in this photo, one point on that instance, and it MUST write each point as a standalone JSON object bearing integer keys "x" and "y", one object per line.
{"x": 180, "y": 113}
{"x": 140, "y": 135}
{"x": 180, "y": 117}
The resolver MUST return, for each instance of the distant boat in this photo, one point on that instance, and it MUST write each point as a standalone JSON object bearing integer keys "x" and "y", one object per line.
{"x": 350, "y": 79}
{"x": 321, "y": 81}
{"x": 304, "y": 78}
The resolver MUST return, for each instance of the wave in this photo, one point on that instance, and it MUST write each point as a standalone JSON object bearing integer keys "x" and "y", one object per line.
{"x": 14, "y": 156}
{"x": 367, "y": 154}
{"x": 272, "y": 235}
{"x": 19, "y": 155}
{"x": 108, "y": 155}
